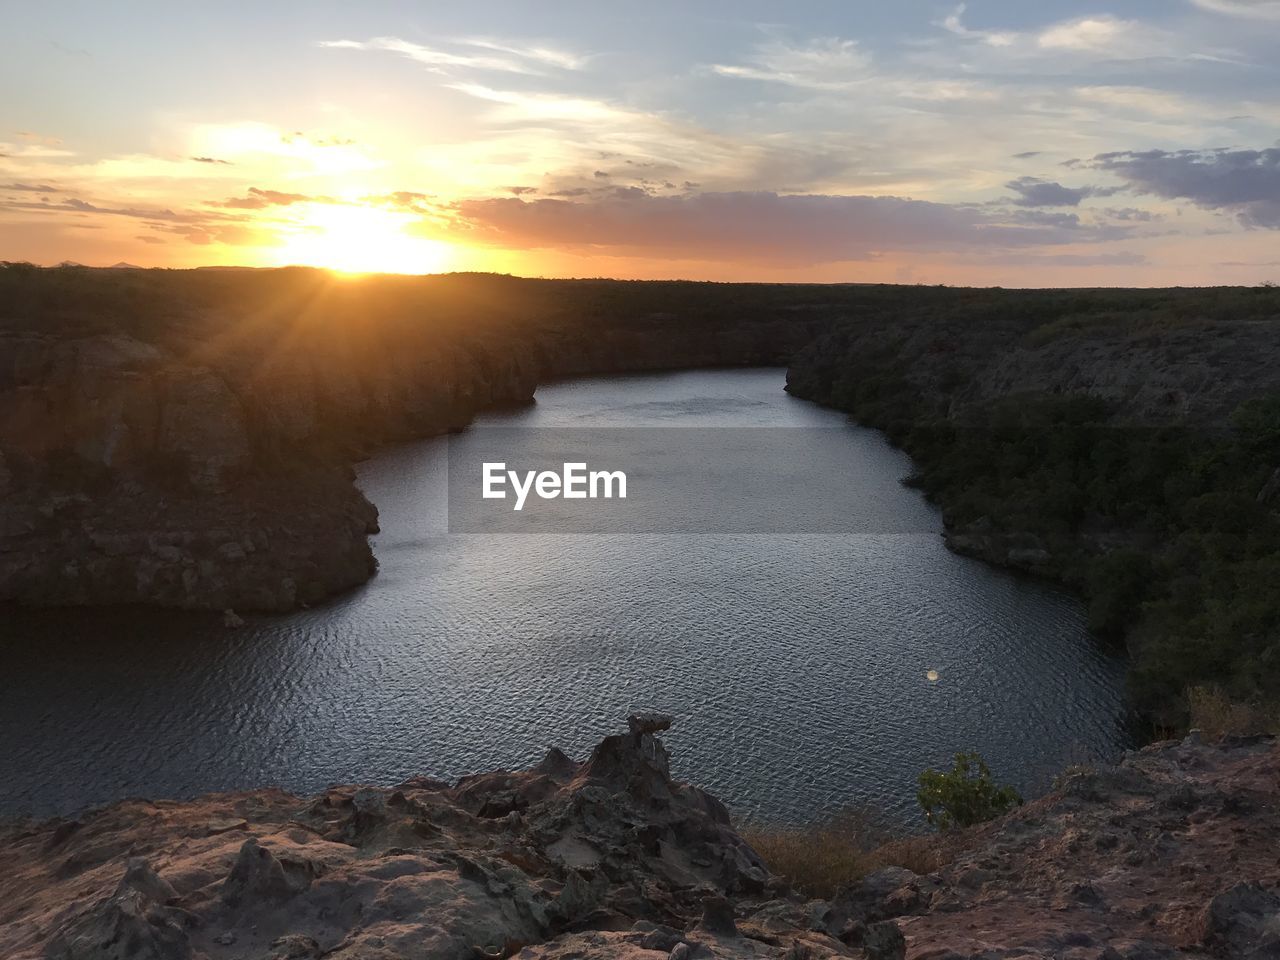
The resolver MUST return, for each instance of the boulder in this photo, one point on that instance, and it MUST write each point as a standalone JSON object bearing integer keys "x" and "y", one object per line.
{"x": 648, "y": 723}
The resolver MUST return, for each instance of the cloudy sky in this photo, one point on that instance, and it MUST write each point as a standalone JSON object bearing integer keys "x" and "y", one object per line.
{"x": 1130, "y": 142}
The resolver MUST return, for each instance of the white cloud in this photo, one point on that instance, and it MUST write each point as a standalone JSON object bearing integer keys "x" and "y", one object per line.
{"x": 995, "y": 38}
{"x": 525, "y": 60}
{"x": 261, "y": 141}
{"x": 1253, "y": 9}
{"x": 1142, "y": 100}
{"x": 544, "y": 106}
{"x": 554, "y": 58}
{"x": 826, "y": 63}
{"x": 1101, "y": 35}
{"x": 33, "y": 150}
{"x": 1105, "y": 34}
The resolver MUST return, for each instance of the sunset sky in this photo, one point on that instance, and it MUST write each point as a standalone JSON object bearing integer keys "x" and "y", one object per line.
{"x": 994, "y": 142}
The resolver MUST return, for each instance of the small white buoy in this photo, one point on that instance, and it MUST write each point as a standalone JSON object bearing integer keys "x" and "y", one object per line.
{"x": 931, "y": 676}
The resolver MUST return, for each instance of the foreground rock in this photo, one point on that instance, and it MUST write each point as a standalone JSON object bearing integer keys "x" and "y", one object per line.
{"x": 607, "y": 858}
{"x": 1172, "y": 854}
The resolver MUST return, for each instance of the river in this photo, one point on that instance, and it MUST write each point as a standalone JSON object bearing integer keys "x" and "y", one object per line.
{"x": 808, "y": 667}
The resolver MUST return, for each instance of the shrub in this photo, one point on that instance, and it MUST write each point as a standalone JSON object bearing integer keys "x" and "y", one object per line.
{"x": 965, "y": 795}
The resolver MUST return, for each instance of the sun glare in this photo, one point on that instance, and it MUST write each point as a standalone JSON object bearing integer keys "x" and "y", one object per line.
{"x": 355, "y": 239}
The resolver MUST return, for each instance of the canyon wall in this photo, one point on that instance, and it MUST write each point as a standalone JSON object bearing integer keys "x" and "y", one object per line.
{"x": 185, "y": 439}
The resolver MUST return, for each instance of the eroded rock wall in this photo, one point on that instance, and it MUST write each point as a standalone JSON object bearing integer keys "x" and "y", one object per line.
{"x": 133, "y": 477}
{"x": 209, "y": 468}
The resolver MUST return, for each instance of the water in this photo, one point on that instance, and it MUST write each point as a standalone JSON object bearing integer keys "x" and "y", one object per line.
{"x": 796, "y": 665}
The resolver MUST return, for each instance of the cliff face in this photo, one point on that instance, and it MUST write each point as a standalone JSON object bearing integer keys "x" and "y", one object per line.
{"x": 1170, "y": 854}
{"x": 188, "y": 443}
{"x": 131, "y": 476}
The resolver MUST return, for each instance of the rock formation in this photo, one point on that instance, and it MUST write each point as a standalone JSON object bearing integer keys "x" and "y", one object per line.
{"x": 609, "y": 857}
{"x": 1170, "y": 854}
{"x": 186, "y": 440}
{"x": 131, "y": 476}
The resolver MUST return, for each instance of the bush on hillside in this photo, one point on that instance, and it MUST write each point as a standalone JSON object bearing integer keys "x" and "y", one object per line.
{"x": 965, "y": 795}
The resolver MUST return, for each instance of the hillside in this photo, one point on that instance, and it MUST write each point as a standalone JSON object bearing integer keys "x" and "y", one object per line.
{"x": 1126, "y": 443}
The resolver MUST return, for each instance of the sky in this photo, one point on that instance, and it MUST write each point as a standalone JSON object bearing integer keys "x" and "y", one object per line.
{"x": 996, "y": 142}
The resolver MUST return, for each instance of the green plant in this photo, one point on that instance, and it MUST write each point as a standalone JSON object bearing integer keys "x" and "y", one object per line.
{"x": 964, "y": 795}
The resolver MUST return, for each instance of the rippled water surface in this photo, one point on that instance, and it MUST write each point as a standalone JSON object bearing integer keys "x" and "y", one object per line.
{"x": 795, "y": 664}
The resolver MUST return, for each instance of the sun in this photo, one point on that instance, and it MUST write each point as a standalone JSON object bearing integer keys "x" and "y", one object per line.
{"x": 349, "y": 238}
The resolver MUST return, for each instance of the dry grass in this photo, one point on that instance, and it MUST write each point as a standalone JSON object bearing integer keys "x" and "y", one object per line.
{"x": 1215, "y": 714}
{"x": 818, "y": 860}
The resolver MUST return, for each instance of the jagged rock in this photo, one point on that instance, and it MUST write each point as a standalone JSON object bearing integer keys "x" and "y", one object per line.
{"x": 642, "y": 723}
{"x": 580, "y": 896}
{"x": 884, "y": 941}
{"x": 139, "y": 876}
{"x": 656, "y": 936}
{"x": 295, "y": 947}
{"x": 61, "y": 832}
{"x": 225, "y": 825}
{"x": 557, "y": 765}
{"x": 129, "y": 926}
{"x": 258, "y": 876}
{"x": 718, "y": 918}
{"x": 611, "y": 856}
{"x": 880, "y": 895}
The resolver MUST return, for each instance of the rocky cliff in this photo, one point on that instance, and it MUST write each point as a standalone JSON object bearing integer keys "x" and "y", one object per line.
{"x": 1172, "y": 853}
{"x": 129, "y": 475}
{"x": 185, "y": 439}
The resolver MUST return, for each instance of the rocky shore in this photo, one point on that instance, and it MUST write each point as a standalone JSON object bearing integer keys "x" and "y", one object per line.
{"x": 1170, "y": 854}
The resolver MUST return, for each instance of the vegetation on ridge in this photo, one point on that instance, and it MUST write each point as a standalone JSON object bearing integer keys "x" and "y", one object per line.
{"x": 1126, "y": 443}
{"x": 965, "y": 795}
